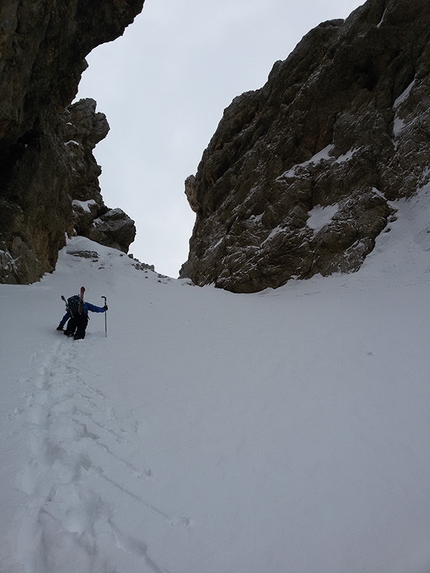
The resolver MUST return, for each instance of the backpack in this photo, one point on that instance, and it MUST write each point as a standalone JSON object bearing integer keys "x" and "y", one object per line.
{"x": 74, "y": 304}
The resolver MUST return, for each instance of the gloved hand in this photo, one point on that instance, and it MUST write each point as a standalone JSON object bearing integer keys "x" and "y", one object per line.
{"x": 105, "y": 307}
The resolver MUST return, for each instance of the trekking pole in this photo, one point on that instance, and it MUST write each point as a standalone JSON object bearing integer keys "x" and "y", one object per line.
{"x": 105, "y": 317}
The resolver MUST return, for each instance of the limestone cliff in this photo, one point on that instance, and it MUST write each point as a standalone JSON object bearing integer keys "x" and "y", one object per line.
{"x": 299, "y": 175}
{"x": 48, "y": 175}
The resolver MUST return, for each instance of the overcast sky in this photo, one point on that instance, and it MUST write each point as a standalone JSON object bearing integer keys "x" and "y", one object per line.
{"x": 163, "y": 87}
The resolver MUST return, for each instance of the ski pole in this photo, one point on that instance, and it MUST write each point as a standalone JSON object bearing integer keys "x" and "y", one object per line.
{"x": 105, "y": 317}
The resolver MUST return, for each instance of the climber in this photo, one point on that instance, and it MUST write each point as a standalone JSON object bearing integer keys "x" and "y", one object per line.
{"x": 77, "y": 316}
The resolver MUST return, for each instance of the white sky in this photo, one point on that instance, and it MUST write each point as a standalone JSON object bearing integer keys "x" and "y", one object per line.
{"x": 163, "y": 87}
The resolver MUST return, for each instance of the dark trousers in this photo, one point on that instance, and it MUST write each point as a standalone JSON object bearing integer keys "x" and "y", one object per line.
{"x": 76, "y": 326}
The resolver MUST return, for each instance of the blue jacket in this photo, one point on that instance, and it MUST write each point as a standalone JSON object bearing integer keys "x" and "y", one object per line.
{"x": 85, "y": 308}
{"x": 88, "y": 306}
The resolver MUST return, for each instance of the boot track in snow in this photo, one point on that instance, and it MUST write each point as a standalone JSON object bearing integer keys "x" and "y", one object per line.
{"x": 77, "y": 471}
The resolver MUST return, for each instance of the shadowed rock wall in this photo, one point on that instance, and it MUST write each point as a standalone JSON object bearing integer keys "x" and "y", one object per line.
{"x": 46, "y": 146}
{"x": 298, "y": 178}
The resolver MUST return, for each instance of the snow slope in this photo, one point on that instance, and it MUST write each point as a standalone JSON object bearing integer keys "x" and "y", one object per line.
{"x": 284, "y": 432}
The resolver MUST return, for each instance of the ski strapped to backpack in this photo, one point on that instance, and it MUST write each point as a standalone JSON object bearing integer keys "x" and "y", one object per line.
{"x": 74, "y": 304}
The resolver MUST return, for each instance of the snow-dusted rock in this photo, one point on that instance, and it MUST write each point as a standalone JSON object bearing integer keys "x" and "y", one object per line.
{"x": 344, "y": 122}
{"x": 45, "y": 147}
{"x": 111, "y": 227}
{"x": 114, "y": 229}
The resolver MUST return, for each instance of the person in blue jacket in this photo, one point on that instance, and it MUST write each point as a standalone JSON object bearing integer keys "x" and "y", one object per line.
{"x": 78, "y": 320}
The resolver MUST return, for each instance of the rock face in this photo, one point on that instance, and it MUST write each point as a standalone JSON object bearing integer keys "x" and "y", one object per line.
{"x": 299, "y": 176}
{"x": 46, "y": 145}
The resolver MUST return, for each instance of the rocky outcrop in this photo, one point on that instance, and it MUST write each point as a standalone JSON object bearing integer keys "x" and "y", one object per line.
{"x": 300, "y": 175}
{"x": 91, "y": 218}
{"x": 46, "y": 145}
